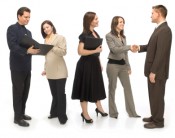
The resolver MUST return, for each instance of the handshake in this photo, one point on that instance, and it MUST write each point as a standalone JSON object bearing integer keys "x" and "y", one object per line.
{"x": 135, "y": 48}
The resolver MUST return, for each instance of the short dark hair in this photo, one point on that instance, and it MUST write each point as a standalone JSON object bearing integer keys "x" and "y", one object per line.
{"x": 22, "y": 10}
{"x": 51, "y": 24}
{"x": 162, "y": 9}
{"x": 114, "y": 23}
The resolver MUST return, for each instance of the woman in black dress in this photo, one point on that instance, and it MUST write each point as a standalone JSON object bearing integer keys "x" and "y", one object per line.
{"x": 88, "y": 83}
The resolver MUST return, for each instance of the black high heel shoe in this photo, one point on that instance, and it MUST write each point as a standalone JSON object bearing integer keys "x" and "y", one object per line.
{"x": 102, "y": 114}
{"x": 87, "y": 121}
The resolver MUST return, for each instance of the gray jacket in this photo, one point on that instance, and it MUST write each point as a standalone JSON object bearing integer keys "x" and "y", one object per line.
{"x": 118, "y": 50}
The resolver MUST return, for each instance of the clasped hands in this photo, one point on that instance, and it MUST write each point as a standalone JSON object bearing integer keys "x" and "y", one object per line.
{"x": 134, "y": 48}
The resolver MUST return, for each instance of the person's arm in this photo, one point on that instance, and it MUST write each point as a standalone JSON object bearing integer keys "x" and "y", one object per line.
{"x": 142, "y": 48}
{"x": 127, "y": 62}
{"x": 12, "y": 41}
{"x": 84, "y": 52}
{"x": 60, "y": 47}
{"x": 116, "y": 49}
{"x": 163, "y": 48}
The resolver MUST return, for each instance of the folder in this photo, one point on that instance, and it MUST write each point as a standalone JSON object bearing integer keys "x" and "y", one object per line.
{"x": 92, "y": 43}
{"x": 44, "y": 48}
{"x": 27, "y": 42}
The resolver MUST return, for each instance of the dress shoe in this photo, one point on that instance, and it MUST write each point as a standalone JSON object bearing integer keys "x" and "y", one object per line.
{"x": 102, "y": 114}
{"x": 147, "y": 119}
{"x": 152, "y": 125}
{"x": 86, "y": 120}
{"x": 63, "y": 121}
{"x": 26, "y": 117}
{"x": 52, "y": 116}
{"x": 21, "y": 122}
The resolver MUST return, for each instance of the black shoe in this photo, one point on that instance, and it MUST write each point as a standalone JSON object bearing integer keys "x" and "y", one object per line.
{"x": 102, "y": 114}
{"x": 152, "y": 125}
{"x": 149, "y": 119}
{"x": 26, "y": 117}
{"x": 87, "y": 121}
{"x": 21, "y": 122}
{"x": 52, "y": 116}
{"x": 63, "y": 121}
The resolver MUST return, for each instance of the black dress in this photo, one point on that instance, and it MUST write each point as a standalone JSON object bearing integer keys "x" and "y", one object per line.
{"x": 88, "y": 81}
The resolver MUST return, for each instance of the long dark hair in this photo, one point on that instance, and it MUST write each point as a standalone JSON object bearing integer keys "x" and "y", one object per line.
{"x": 51, "y": 24}
{"x": 88, "y": 18}
{"x": 114, "y": 23}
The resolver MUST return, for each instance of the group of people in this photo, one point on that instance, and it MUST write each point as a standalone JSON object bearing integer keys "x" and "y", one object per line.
{"x": 88, "y": 85}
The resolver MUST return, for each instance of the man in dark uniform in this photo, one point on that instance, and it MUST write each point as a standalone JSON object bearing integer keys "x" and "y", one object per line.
{"x": 20, "y": 65}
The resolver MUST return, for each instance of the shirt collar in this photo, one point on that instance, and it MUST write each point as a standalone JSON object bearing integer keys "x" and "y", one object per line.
{"x": 160, "y": 23}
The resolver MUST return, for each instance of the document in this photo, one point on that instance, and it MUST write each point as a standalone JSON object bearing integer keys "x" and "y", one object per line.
{"x": 92, "y": 43}
{"x": 27, "y": 42}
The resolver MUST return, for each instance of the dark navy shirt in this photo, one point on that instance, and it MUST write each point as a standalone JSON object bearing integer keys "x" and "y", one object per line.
{"x": 19, "y": 59}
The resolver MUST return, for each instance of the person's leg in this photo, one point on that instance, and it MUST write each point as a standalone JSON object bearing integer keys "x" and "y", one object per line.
{"x": 53, "y": 89}
{"x": 18, "y": 89}
{"x": 18, "y": 93}
{"x": 112, "y": 73}
{"x": 84, "y": 114}
{"x": 99, "y": 109}
{"x": 26, "y": 91}
{"x": 61, "y": 100}
{"x": 129, "y": 101}
{"x": 156, "y": 97}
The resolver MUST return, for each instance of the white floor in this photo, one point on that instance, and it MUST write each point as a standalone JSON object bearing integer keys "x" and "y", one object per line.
{"x": 38, "y": 107}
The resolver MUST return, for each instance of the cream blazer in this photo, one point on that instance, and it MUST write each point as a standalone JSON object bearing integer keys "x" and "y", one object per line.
{"x": 55, "y": 65}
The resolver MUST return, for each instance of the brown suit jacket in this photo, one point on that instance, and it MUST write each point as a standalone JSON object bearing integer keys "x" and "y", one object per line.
{"x": 158, "y": 52}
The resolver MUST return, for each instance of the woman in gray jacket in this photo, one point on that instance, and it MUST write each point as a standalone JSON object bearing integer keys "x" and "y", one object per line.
{"x": 55, "y": 70}
{"x": 118, "y": 67}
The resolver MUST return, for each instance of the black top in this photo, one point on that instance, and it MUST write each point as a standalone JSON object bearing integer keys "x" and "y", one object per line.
{"x": 19, "y": 59}
{"x": 82, "y": 38}
{"x": 88, "y": 82}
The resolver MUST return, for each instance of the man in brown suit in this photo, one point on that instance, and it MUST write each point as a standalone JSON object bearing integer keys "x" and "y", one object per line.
{"x": 157, "y": 66}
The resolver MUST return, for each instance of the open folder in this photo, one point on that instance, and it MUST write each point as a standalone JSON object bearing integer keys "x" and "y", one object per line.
{"x": 27, "y": 42}
{"x": 92, "y": 43}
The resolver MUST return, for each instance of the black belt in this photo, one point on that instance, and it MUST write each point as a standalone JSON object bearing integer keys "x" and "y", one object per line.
{"x": 119, "y": 62}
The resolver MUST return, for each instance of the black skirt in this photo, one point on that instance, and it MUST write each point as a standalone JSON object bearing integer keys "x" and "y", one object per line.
{"x": 88, "y": 82}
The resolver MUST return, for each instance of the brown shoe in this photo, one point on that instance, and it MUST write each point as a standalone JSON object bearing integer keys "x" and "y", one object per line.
{"x": 147, "y": 119}
{"x": 152, "y": 125}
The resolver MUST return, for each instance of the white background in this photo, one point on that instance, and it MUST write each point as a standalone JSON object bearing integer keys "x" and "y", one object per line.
{"x": 67, "y": 16}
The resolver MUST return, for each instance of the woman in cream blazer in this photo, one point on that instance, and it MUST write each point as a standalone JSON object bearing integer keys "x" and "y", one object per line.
{"x": 55, "y": 70}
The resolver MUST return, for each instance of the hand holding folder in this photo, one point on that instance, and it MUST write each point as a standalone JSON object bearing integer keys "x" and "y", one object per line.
{"x": 92, "y": 43}
{"x": 27, "y": 42}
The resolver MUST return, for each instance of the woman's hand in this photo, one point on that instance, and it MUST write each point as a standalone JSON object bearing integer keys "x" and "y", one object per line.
{"x": 43, "y": 73}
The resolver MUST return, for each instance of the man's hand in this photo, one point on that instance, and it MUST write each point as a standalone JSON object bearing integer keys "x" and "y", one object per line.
{"x": 134, "y": 48}
{"x": 152, "y": 77}
{"x": 32, "y": 51}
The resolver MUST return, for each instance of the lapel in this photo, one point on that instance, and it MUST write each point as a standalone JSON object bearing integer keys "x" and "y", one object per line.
{"x": 119, "y": 41}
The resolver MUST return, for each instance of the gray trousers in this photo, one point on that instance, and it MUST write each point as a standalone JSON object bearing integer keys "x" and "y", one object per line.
{"x": 115, "y": 71}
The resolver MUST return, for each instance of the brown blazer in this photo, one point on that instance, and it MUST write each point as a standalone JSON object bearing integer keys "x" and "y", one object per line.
{"x": 158, "y": 52}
